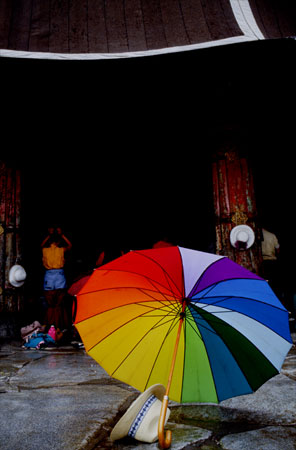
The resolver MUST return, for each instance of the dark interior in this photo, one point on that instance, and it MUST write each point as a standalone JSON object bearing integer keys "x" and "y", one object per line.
{"x": 119, "y": 152}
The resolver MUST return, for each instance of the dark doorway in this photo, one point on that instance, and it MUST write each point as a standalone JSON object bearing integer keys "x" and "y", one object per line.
{"x": 128, "y": 202}
{"x": 121, "y": 150}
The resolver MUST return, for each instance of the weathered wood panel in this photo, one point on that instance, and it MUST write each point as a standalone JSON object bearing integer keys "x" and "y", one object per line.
{"x": 78, "y": 32}
{"x": 116, "y": 26}
{"x": 173, "y": 23}
{"x": 275, "y": 19}
{"x": 235, "y": 204}
{"x": 59, "y": 27}
{"x": 196, "y": 26}
{"x": 135, "y": 25}
{"x": 20, "y": 25}
{"x": 155, "y": 36}
{"x": 94, "y": 26}
{"x": 10, "y": 245}
{"x": 6, "y": 8}
{"x": 218, "y": 15}
{"x": 40, "y": 26}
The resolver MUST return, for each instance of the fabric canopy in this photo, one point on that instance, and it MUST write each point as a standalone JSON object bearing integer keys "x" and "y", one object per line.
{"x": 96, "y": 29}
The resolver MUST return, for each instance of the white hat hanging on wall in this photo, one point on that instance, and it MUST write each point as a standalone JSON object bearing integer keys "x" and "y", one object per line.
{"x": 17, "y": 275}
{"x": 242, "y": 237}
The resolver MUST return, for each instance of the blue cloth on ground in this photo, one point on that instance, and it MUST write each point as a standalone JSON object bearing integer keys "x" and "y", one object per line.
{"x": 39, "y": 338}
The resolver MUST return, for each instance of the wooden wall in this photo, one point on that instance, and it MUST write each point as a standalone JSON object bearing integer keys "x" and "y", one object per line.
{"x": 11, "y": 300}
{"x": 235, "y": 204}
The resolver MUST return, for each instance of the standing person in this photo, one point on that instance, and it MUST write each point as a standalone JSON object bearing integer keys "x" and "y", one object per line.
{"x": 53, "y": 248}
{"x": 270, "y": 251}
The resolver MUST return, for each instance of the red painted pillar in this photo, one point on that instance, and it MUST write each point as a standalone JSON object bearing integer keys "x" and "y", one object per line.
{"x": 235, "y": 204}
{"x": 11, "y": 298}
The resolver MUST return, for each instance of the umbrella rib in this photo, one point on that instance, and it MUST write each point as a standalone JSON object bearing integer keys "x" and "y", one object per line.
{"x": 195, "y": 331}
{"x": 227, "y": 325}
{"x": 172, "y": 309}
{"x": 138, "y": 289}
{"x": 227, "y": 297}
{"x": 125, "y": 287}
{"x": 162, "y": 293}
{"x": 202, "y": 275}
{"x": 209, "y": 290}
{"x": 152, "y": 282}
{"x": 214, "y": 303}
{"x": 233, "y": 355}
{"x": 139, "y": 341}
{"x": 141, "y": 303}
{"x": 240, "y": 313}
{"x": 167, "y": 303}
{"x": 171, "y": 318}
{"x": 163, "y": 270}
{"x": 172, "y": 326}
{"x": 128, "y": 321}
{"x": 171, "y": 303}
{"x": 206, "y": 350}
{"x": 210, "y": 287}
{"x": 173, "y": 306}
{"x": 214, "y": 320}
{"x": 203, "y": 308}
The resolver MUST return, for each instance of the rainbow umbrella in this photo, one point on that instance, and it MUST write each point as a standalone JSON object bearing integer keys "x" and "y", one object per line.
{"x": 198, "y": 323}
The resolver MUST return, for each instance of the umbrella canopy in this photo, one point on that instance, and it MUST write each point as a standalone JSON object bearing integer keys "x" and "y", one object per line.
{"x": 233, "y": 331}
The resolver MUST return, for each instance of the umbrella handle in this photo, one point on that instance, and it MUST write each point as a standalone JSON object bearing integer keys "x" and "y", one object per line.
{"x": 165, "y": 440}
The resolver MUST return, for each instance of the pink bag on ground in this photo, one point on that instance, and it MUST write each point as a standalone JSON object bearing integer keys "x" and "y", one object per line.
{"x": 52, "y": 332}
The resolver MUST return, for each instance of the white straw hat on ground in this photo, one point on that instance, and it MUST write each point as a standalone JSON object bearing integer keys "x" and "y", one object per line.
{"x": 140, "y": 421}
{"x": 17, "y": 275}
{"x": 242, "y": 237}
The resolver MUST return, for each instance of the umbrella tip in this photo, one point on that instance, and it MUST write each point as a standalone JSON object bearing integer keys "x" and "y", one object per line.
{"x": 185, "y": 303}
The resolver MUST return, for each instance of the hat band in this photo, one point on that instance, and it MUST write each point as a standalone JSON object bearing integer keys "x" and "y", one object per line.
{"x": 140, "y": 416}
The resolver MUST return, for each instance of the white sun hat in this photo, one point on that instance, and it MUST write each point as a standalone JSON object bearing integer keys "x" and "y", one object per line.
{"x": 140, "y": 421}
{"x": 242, "y": 237}
{"x": 17, "y": 275}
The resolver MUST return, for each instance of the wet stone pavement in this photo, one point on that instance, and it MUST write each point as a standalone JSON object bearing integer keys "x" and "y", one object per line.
{"x": 61, "y": 399}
